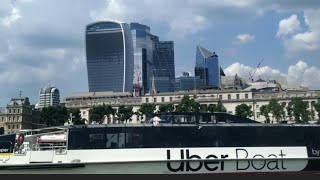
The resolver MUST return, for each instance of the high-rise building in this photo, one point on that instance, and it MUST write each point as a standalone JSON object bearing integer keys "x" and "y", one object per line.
{"x": 49, "y": 96}
{"x": 143, "y": 45}
{"x": 164, "y": 68}
{"x": 110, "y": 60}
{"x": 208, "y": 68}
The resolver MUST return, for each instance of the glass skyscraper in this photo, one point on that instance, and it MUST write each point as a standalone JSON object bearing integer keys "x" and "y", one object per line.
{"x": 164, "y": 68}
{"x": 152, "y": 58}
{"x": 110, "y": 59}
{"x": 143, "y": 45}
{"x": 207, "y": 67}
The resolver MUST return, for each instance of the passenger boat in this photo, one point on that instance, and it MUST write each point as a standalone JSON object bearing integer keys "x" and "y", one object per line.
{"x": 170, "y": 143}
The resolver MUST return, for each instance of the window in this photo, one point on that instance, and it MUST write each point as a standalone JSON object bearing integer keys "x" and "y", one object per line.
{"x": 154, "y": 99}
{"x": 9, "y": 119}
{"x": 238, "y": 96}
{"x": 2, "y": 119}
{"x": 13, "y": 126}
{"x": 18, "y": 118}
{"x": 229, "y": 97}
{"x": 9, "y": 111}
{"x": 14, "y": 111}
{"x": 247, "y": 96}
{"x": 257, "y": 106}
{"x": 84, "y": 113}
{"x": 9, "y": 127}
{"x": 13, "y": 118}
{"x": 18, "y": 111}
{"x": 162, "y": 99}
{"x": 147, "y": 100}
{"x": 220, "y": 97}
{"x": 170, "y": 99}
{"x": 18, "y": 127}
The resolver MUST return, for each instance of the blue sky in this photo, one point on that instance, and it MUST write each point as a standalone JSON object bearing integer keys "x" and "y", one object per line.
{"x": 42, "y": 41}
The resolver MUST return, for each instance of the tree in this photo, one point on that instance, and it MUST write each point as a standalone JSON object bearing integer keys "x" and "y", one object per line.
{"x": 204, "y": 108}
{"x": 76, "y": 116}
{"x": 244, "y": 111}
{"x": 99, "y": 113}
{"x": 220, "y": 107}
{"x": 54, "y": 116}
{"x": 290, "y": 110}
{"x": 188, "y": 105}
{"x": 276, "y": 110}
{"x": 125, "y": 113}
{"x": 300, "y": 110}
{"x": 147, "y": 110}
{"x": 265, "y": 112}
{"x": 212, "y": 108}
{"x": 166, "y": 108}
{"x": 317, "y": 107}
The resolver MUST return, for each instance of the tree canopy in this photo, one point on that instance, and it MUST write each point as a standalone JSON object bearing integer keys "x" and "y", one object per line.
{"x": 243, "y": 110}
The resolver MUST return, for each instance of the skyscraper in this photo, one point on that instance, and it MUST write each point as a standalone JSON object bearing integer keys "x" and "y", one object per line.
{"x": 143, "y": 45}
{"x": 49, "y": 96}
{"x": 207, "y": 67}
{"x": 110, "y": 59}
{"x": 164, "y": 68}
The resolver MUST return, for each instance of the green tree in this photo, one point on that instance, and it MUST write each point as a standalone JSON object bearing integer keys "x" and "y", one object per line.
{"x": 166, "y": 108}
{"x": 317, "y": 108}
{"x": 188, "y": 105}
{"x": 220, "y": 107}
{"x": 125, "y": 113}
{"x": 212, "y": 108}
{"x": 243, "y": 110}
{"x": 264, "y": 110}
{"x": 54, "y": 116}
{"x": 300, "y": 110}
{"x": 98, "y": 113}
{"x": 290, "y": 111}
{"x": 204, "y": 108}
{"x": 147, "y": 110}
{"x": 276, "y": 109}
{"x": 75, "y": 114}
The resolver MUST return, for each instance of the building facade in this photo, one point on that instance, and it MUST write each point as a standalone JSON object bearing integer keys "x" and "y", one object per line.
{"x": 143, "y": 45}
{"x": 49, "y": 96}
{"x": 164, "y": 67}
{"x": 207, "y": 67}
{"x": 17, "y": 115}
{"x": 110, "y": 59}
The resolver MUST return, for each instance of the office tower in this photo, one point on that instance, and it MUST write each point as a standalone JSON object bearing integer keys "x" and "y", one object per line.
{"x": 143, "y": 44}
{"x": 109, "y": 50}
{"x": 49, "y": 96}
{"x": 164, "y": 68}
{"x": 207, "y": 67}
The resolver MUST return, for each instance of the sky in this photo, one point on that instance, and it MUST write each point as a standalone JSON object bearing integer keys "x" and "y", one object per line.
{"x": 42, "y": 41}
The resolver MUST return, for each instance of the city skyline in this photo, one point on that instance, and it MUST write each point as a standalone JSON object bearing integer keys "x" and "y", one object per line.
{"x": 39, "y": 46}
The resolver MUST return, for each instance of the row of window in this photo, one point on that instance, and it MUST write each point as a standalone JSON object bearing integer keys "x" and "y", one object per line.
{"x": 13, "y": 126}
{"x": 14, "y": 111}
{"x": 192, "y": 136}
{"x": 220, "y": 97}
{"x": 11, "y": 119}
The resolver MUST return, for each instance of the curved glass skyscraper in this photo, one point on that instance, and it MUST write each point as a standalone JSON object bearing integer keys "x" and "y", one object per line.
{"x": 109, "y": 50}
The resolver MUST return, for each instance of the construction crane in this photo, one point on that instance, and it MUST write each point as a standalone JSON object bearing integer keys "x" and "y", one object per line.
{"x": 251, "y": 75}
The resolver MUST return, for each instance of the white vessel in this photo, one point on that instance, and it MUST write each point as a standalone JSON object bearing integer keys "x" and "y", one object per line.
{"x": 176, "y": 143}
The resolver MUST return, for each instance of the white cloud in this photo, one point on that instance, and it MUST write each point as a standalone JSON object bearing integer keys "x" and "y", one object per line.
{"x": 289, "y": 25}
{"x": 14, "y": 16}
{"x": 27, "y": 75}
{"x": 299, "y": 74}
{"x": 245, "y": 38}
{"x": 305, "y": 42}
